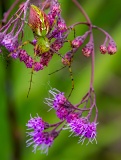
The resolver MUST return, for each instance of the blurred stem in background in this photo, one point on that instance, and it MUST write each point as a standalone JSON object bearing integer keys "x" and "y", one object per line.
{"x": 10, "y": 98}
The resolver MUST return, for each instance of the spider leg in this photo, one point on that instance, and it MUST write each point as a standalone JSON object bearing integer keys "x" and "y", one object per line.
{"x": 57, "y": 70}
{"x": 72, "y": 80}
{"x": 32, "y": 71}
{"x": 31, "y": 80}
{"x": 66, "y": 60}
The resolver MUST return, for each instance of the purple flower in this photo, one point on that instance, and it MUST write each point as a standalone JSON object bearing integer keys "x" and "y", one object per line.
{"x": 58, "y": 99}
{"x": 103, "y": 49}
{"x": 35, "y": 123}
{"x": 34, "y": 42}
{"x": 38, "y": 66}
{"x": 55, "y": 10}
{"x": 62, "y": 113}
{"x": 87, "y": 50}
{"x": 112, "y": 48}
{"x": 23, "y": 56}
{"x": 83, "y": 128}
{"x": 57, "y": 44}
{"x": 67, "y": 58}
{"x": 71, "y": 117}
{"x": 78, "y": 41}
{"x": 10, "y": 42}
{"x": 38, "y": 138}
{"x": 29, "y": 62}
{"x": 61, "y": 25}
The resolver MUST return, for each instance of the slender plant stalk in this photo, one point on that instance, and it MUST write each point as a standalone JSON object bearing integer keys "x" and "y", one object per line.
{"x": 91, "y": 36}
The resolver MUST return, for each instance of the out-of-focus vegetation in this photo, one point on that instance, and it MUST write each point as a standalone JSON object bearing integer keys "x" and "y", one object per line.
{"x": 15, "y": 107}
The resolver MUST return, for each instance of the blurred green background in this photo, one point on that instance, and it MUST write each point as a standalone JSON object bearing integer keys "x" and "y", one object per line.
{"x": 15, "y": 107}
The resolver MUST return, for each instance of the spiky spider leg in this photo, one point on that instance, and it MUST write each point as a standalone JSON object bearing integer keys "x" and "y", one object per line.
{"x": 72, "y": 80}
{"x": 31, "y": 79}
{"x": 69, "y": 57}
{"x": 57, "y": 70}
{"x": 32, "y": 71}
{"x": 66, "y": 60}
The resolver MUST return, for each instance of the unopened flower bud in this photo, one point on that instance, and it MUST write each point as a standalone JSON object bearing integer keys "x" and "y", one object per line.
{"x": 61, "y": 25}
{"x": 87, "y": 50}
{"x": 38, "y": 66}
{"x": 112, "y": 49}
{"x": 78, "y": 41}
{"x": 67, "y": 59}
{"x": 103, "y": 49}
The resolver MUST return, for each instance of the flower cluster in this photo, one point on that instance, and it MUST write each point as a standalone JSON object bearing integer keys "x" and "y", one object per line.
{"x": 70, "y": 118}
{"x": 39, "y": 138}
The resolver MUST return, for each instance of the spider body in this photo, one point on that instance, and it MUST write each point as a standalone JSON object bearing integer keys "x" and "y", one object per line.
{"x": 39, "y": 23}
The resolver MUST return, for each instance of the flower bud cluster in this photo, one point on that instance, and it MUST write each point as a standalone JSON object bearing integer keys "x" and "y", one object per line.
{"x": 110, "y": 49}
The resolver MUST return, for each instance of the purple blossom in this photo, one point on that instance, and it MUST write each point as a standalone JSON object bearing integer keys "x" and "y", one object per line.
{"x": 34, "y": 42}
{"x": 61, "y": 25}
{"x": 112, "y": 49}
{"x": 58, "y": 99}
{"x": 10, "y": 42}
{"x": 55, "y": 11}
{"x": 45, "y": 58}
{"x": 78, "y": 41}
{"x": 38, "y": 66}
{"x": 40, "y": 139}
{"x": 15, "y": 54}
{"x": 57, "y": 44}
{"x": 83, "y": 128}
{"x": 88, "y": 49}
{"x": 103, "y": 49}
{"x": 35, "y": 123}
{"x": 71, "y": 117}
{"x": 67, "y": 58}
{"x": 29, "y": 62}
{"x": 62, "y": 113}
{"x": 23, "y": 56}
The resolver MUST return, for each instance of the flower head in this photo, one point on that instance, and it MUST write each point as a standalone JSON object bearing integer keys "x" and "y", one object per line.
{"x": 10, "y": 42}
{"x": 29, "y": 62}
{"x": 103, "y": 49}
{"x": 83, "y": 128}
{"x": 78, "y": 41}
{"x": 58, "y": 99}
{"x": 38, "y": 66}
{"x": 38, "y": 137}
{"x": 87, "y": 50}
{"x": 112, "y": 49}
{"x": 67, "y": 59}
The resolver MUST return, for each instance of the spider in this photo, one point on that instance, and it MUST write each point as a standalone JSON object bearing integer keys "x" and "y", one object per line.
{"x": 45, "y": 28}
